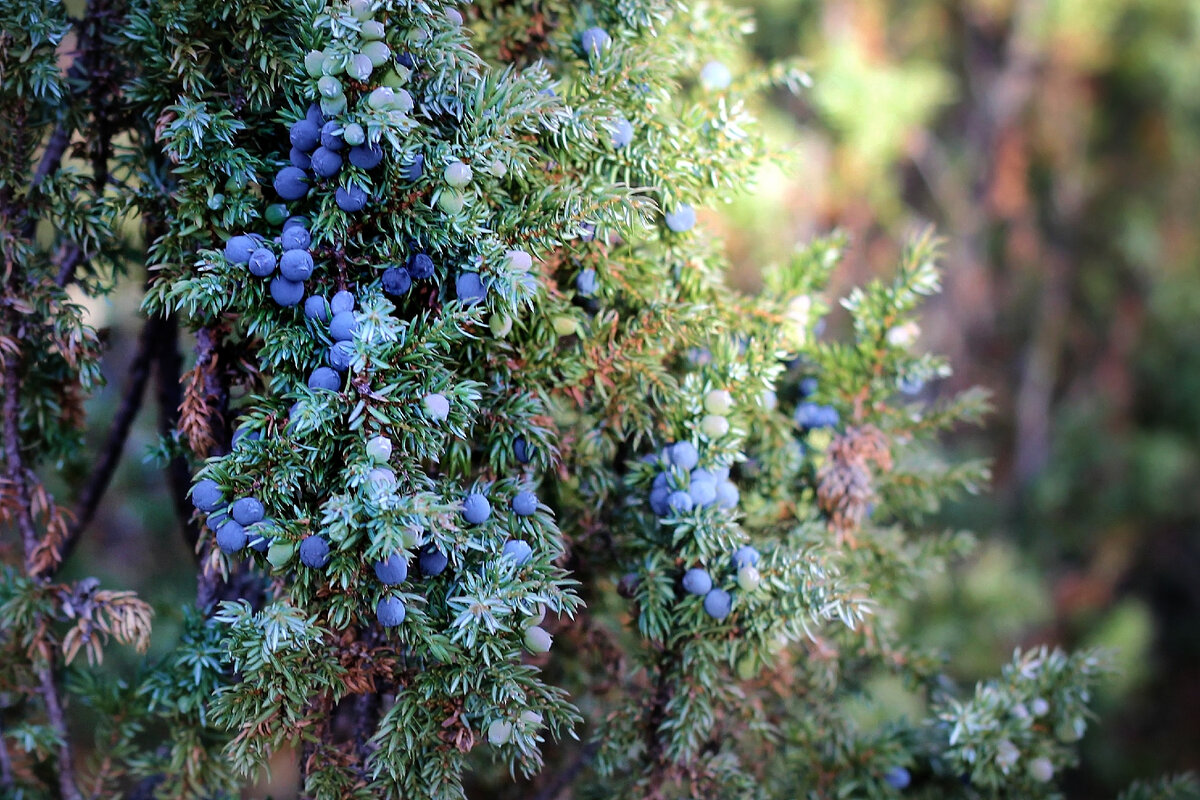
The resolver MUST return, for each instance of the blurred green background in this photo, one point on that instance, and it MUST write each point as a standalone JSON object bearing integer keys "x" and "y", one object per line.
{"x": 1055, "y": 145}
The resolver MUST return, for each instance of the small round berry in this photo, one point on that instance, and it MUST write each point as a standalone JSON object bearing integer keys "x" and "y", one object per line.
{"x": 586, "y": 282}
{"x": 291, "y": 222}
{"x": 331, "y": 139}
{"x": 379, "y": 449}
{"x": 499, "y": 733}
{"x": 378, "y": 53}
{"x": 454, "y": 16}
{"x": 373, "y": 29}
{"x": 351, "y": 199}
{"x": 247, "y": 510}
{"x": 366, "y": 156}
{"x": 521, "y": 450}
{"x": 898, "y": 778}
{"x": 718, "y": 401}
{"x": 359, "y": 66}
{"x": 381, "y": 98}
{"x": 432, "y": 561}
{"x": 538, "y": 640}
{"x": 353, "y": 134}
{"x": 313, "y": 114}
{"x": 304, "y": 135}
{"x": 316, "y": 307}
{"x": 727, "y": 495}
{"x": 231, "y": 537}
{"x": 436, "y": 406}
{"x": 206, "y": 495}
{"x": 392, "y": 571}
{"x": 325, "y": 378}
{"x": 470, "y": 288}
{"x": 326, "y": 162}
{"x": 239, "y": 249}
{"x": 745, "y": 556}
{"x": 382, "y": 478}
{"x": 1039, "y": 707}
{"x": 342, "y": 301}
{"x": 525, "y": 504}
{"x": 299, "y": 158}
{"x": 330, "y": 87}
{"x": 518, "y": 552}
{"x": 621, "y": 132}
{"x": 808, "y": 386}
{"x": 683, "y": 218}
{"x": 500, "y": 325}
{"x": 341, "y": 356}
{"x": 343, "y": 326}
{"x": 718, "y": 603}
{"x": 416, "y": 169}
{"x": 333, "y": 106}
{"x": 714, "y": 426}
{"x": 314, "y": 552}
{"x": 258, "y": 541}
{"x": 296, "y": 265}
{"x": 262, "y": 262}
{"x": 332, "y": 65}
{"x": 390, "y": 612}
{"x": 703, "y": 493}
{"x": 659, "y": 501}
{"x": 595, "y": 41}
{"x": 685, "y": 455}
{"x": 360, "y": 9}
{"x": 451, "y": 201}
{"x": 396, "y": 281}
{"x": 498, "y": 168}
{"x": 276, "y": 213}
{"x": 285, "y": 292}
{"x": 291, "y": 183}
{"x": 715, "y": 76}
{"x": 1041, "y": 770}
{"x": 697, "y": 581}
{"x": 749, "y": 578}
{"x": 679, "y": 502}
{"x": 476, "y": 508}
{"x": 420, "y": 266}
{"x": 518, "y": 260}
{"x": 295, "y": 237}
{"x": 458, "y": 174}
{"x": 243, "y": 432}
{"x": 313, "y": 61}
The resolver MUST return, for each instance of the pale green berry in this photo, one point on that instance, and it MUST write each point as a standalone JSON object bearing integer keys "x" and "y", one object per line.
{"x": 1041, "y": 770}
{"x": 378, "y": 52}
{"x": 1039, "y": 707}
{"x": 417, "y": 35}
{"x": 500, "y": 324}
{"x": 718, "y": 401}
{"x": 332, "y": 106}
{"x": 379, "y": 448}
{"x": 538, "y": 640}
{"x": 458, "y": 174}
{"x": 564, "y": 325}
{"x": 216, "y": 202}
{"x": 359, "y": 67}
{"x": 381, "y": 98}
{"x": 498, "y": 168}
{"x": 518, "y": 260}
{"x": 373, "y": 29}
{"x": 360, "y": 10}
{"x": 397, "y": 76}
{"x": 403, "y": 101}
{"x": 714, "y": 426}
{"x": 353, "y": 134}
{"x": 280, "y": 553}
{"x": 531, "y": 717}
{"x": 535, "y": 619}
{"x": 332, "y": 65}
{"x": 330, "y": 87}
{"x": 314, "y": 63}
{"x": 499, "y": 733}
{"x": 747, "y": 667}
{"x": 411, "y": 538}
{"x": 450, "y": 201}
{"x": 748, "y": 578}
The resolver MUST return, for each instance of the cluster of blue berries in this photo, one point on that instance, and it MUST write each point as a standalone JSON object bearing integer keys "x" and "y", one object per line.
{"x": 717, "y": 601}
{"x": 398, "y": 279}
{"x": 683, "y": 485}
{"x": 317, "y": 146}
{"x": 234, "y": 523}
{"x": 338, "y": 313}
{"x": 295, "y": 262}
{"x": 811, "y": 416}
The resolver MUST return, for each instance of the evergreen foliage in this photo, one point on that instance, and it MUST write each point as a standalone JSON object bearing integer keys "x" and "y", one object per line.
{"x": 426, "y": 453}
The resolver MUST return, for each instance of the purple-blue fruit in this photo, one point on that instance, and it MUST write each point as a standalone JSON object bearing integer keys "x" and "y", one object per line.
{"x": 343, "y": 326}
{"x": 342, "y": 301}
{"x": 396, "y": 281}
{"x": 292, "y": 222}
{"x": 247, "y": 510}
{"x": 295, "y": 237}
{"x": 325, "y": 378}
{"x": 231, "y": 537}
{"x": 314, "y": 115}
{"x": 304, "y": 135}
{"x": 350, "y": 199}
{"x": 703, "y": 493}
{"x": 586, "y": 283}
{"x": 525, "y": 504}
{"x": 239, "y": 248}
{"x": 206, "y": 495}
{"x": 701, "y": 475}
{"x": 469, "y": 288}
{"x": 390, "y": 612}
{"x": 476, "y": 508}
{"x": 622, "y": 133}
{"x": 326, "y": 162}
{"x": 718, "y": 603}
{"x": 808, "y": 386}
{"x": 685, "y": 455}
{"x": 258, "y": 542}
{"x": 898, "y": 778}
{"x": 414, "y": 170}
{"x": 517, "y": 551}
{"x": 316, "y": 307}
{"x": 314, "y": 552}
{"x": 659, "y": 504}
{"x": 299, "y": 158}
{"x": 366, "y": 156}
{"x": 432, "y": 561}
{"x": 392, "y": 571}
{"x": 244, "y": 432}
{"x": 296, "y": 265}
{"x": 420, "y": 266}
{"x": 727, "y": 495}
{"x": 291, "y": 183}
{"x": 262, "y": 262}
{"x": 594, "y": 40}
{"x": 521, "y": 450}
{"x": 697, "y": 581}
{"x": 285, "y": 292}
{"x": 679, "y": 502}
{"x": 745, "y": 556}
{"x": 341, "y": 356}
{"x": 683, "y": 218}
{"x": 330, "y": 138}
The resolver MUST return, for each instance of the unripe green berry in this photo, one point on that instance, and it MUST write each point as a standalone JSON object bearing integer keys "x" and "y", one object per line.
{"x": 396, "y": 77}
{"x": 381, "y": 98}
{"x": 332, "y": 106}
{"x": 373, "y": 29}
{"x": 748, "y": 578}
{"x": 747, "y": 667}
{"x": 718, "y": 401}
{"x": 1041, "y": 770}
{"x": 378, "y": 52}
{"x": 501, "y": 325}
{"x": 379, "y": 448}
{"x": 276, "y": 214}
{"x": 332, "y": 65}
{"x": 713, "y": 426}
{"x": 458, "y": 174}
{"x": 538, "y": 640}
{"x": 564, "y": 325}
{"x": 499, "y": 733}
{"x": 353, "y": 134}
{"x": 518, "y": 260}
{"x": 359, "y": 67}
{"x": 216, "y": 202}
{"x": 535, "y": 619}
{"x": 330, "y": 87}
{"x": 498, "y": 168}
{"x": 450, "y": 201}
{"x": 360, "y": 10}
{"x": 314, "y": 63}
